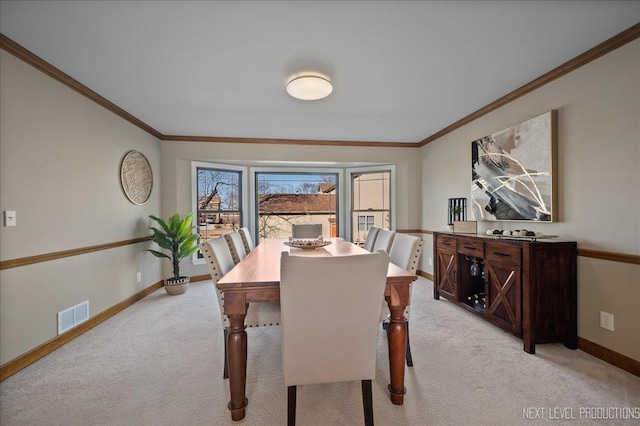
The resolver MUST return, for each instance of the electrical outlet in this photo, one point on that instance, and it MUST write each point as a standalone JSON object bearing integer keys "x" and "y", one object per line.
{"x": 606, "y": 320}
{"x": 430, "y": 261}
{"x": 138, "y": 277}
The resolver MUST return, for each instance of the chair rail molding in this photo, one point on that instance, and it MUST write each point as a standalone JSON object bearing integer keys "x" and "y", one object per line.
{"x": 30, "y": 260}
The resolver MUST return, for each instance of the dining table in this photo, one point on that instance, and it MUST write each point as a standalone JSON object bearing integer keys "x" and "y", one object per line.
{"x": 256, "y": 279}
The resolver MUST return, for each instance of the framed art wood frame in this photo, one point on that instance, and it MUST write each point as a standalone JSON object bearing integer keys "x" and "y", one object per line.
{"x": 513, "y": 172}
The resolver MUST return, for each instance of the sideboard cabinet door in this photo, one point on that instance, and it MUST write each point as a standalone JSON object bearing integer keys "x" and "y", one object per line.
{"x": 447, "y": 285}
{"x": 504, "y": 284}
{"x": 446, "y": 268}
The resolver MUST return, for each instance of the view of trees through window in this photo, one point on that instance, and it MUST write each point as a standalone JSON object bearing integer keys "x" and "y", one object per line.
{"x": 219, "y": 202}
{"x": 371, "y": 203}
{"x": 284, "y": 199}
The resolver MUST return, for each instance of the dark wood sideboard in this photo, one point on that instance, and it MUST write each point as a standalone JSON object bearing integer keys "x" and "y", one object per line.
{"x": 528, "y": 288}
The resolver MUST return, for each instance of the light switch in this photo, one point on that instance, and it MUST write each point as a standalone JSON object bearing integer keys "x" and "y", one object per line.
{"x": 9, "y": 218}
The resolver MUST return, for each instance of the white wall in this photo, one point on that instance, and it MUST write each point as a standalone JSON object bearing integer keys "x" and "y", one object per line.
{"x": 60, "y": 157}
{"x": 598, "y": 184}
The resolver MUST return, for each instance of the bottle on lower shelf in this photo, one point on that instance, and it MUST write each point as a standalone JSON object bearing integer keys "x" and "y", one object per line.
{"x": 477, "y": 299}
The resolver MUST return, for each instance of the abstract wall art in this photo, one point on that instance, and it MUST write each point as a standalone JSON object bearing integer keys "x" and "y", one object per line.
{"x": 513, "y": 172}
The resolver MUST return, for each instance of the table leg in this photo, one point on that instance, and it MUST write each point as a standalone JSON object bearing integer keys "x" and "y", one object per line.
{"x": 237, "y": 358}
{"x": 397, "y": 338}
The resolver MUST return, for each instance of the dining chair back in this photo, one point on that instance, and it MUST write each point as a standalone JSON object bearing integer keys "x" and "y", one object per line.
{"x": 247, "y": 241}
{"x": 405, "y": 253}
{"x": 317, "y": 296}
{"x": 306, "y": 230}
{"x": 236, "y": 246}
{"x": 384, "y": 239}
{"x": 371, "y": 238}
{"x": 219, "y": 261}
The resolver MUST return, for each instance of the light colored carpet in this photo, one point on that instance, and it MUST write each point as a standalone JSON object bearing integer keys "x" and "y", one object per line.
{"x": 160, "y": 362}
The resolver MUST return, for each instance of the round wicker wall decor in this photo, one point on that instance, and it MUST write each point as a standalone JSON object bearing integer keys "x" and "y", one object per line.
{"x": 136, "y": 177}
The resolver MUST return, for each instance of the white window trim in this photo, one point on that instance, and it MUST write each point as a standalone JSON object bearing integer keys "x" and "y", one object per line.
{"x": 284, "y": 169}
{"x": 345, "y": 206}
{"x": 244, "y": 189}
{"x": 348, "y": 194}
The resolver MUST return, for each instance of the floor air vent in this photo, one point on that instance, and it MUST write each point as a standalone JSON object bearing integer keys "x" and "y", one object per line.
{"x": 73, "y": 316}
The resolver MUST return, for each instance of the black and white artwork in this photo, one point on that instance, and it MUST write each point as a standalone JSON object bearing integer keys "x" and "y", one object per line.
{"x": 512, "y": 172}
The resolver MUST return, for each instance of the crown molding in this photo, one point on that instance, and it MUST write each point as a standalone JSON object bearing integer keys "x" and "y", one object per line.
{"x": 40, "y": 64}
{"x": 177, "y": 138}
{"x": 590, "y": 55}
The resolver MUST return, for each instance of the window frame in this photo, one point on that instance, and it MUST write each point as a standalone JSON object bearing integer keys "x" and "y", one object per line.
{"x": 243, "y": 203}
{"x": 344, "y": 202}
{"x": 381, "y": 168}
{"x": 340, "y": 214}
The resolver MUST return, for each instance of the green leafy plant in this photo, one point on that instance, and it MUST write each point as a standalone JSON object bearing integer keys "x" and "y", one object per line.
{"x": 454, "y": 214}
{"x": 175, "y": 235}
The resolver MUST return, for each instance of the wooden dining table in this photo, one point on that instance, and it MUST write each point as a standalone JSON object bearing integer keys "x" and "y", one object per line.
{"x": 256, "y": 279}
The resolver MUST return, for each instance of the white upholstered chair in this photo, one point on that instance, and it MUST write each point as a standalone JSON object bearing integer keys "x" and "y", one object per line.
{"x": 317, "y": 296}
{"x": 405, "y": 253}
{"x": 236, "y": 246}
{"x": 306, "y": 230}
{"x": 384, "y": 239}
{"x": 371, "y": 238}
{"x": 218, "y": 258}
{"x": 246, "y": 239}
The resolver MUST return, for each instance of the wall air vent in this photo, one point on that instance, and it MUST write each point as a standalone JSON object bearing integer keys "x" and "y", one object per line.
{"x": 73, "y": 316}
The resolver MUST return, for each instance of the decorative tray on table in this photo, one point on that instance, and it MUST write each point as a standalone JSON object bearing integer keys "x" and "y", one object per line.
{"x": 518, "y": 234}
{"x": 306, "y": 244}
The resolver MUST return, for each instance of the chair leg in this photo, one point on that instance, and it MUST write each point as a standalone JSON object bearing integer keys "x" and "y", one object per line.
{"x": 409, "y": 359}
{"x": 225, "y": 373}
{"x": 291, "y": 406}
{"x": 367, "y": 402}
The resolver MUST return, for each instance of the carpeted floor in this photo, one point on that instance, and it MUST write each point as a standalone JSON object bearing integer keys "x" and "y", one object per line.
{"x": 160, "y": 362}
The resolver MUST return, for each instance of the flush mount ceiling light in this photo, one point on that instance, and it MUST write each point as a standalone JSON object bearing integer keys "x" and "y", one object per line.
{"x": 309, "y": 87}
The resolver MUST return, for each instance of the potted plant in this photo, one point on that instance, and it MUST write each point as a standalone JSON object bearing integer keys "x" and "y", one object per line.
{"x": 176, "y": 236}
{"x": 455, "y": 213}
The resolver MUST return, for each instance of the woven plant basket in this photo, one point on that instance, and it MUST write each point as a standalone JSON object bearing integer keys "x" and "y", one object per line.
{"x": 179, "y": 286}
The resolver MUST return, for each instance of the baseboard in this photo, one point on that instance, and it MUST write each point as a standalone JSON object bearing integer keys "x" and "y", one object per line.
{"x": 425, "y": 275}
{"x": 612, "y": 357}
{"x": 197, "y": 278}
{"x": 12, "y": 367}
{"x": 598, "y": 351}
{"x": 17, "y": 364}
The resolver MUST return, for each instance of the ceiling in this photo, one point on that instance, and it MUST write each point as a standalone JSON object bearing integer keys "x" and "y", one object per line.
{"x": 401, "y": 70}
